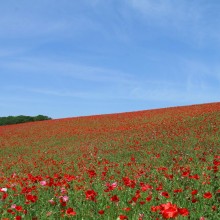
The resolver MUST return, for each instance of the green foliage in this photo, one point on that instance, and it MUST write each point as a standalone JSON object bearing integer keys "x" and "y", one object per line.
{"x": 21, "y": 119}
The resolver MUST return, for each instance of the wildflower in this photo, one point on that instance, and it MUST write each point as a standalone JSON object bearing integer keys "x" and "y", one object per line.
{"x": 169, "y": 210}
{"x": 91, "y": 173}
{"x": 165, "y": 194}
{"x": 43, "y": 183}
{"x": 63, "y": 190}
{"x": 155, "y": 208}
{"x": 194, "y": 200}
{"x": 110, "y": 186}
{"x": 183, "y": 211}
{"x": 127, "y": 209}
{"x": 19, "y": 208}
{"x": 51, "y": 201}
{"x": 70, "y": 211}
{"x": 90, "y": 195}
{"x": 101, "y": 212}
{"x": 122, "y": 217}
{"x": 114, "y": 198}
{"x": 128, "y": 182}
{"x": 148, "y": 199}
{"x": 13, "y": 206}
{"x": 194, "y": 192}
{"x": 207, "y": 195}
{"x": 4, "y": 196}
{"x": 145, "y": 187}
{"x": 10, "y": 211}
{"x": 141, "y": 216}
{"x": 3, "y": 189}
{"x": 196, "y": 176}
{"x": 31, "y": 198}
{"x": 214, "y": 208}
{"x": 64, "y": 198}
{"x": 177, "y": 190}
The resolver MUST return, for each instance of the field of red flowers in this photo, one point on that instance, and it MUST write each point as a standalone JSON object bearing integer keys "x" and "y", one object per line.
{"x": 155, "y": 164}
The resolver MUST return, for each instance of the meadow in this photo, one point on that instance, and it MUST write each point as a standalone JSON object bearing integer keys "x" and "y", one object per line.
{"x": 154, "y": 164}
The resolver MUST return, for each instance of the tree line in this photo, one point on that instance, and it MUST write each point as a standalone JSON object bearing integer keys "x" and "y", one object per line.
{"x": 9, "y": 120}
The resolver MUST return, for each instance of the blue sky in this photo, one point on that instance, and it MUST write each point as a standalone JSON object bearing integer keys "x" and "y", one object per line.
{"x": 72, "y": 58}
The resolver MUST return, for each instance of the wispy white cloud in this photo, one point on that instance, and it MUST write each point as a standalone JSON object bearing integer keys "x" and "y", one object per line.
{"x": 6, "y": 52}
{"x": 26, "y": 20}
{"x": 44, "y": 66}
{"x": 61, "y": 93}
{"x": 193, "y": 93}
{"x": 203, "y": 68}
{"x": 199, "y": 84}
{"x": 194, "y": 88}
{"x": 190, "y": 20}
{"x": 169, "y": 11}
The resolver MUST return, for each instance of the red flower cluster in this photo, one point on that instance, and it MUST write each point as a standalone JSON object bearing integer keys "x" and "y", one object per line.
{"x": 31, "y": 198}
{"x": 91, "y": 195}
{"x": 70, "y": 212}
{"x": 113, "y": 166}
{"x": 170, "y": 210}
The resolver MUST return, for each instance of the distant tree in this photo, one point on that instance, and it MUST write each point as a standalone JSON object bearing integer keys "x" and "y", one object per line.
{"x": 41, "y": 118}
{"x": 22, "y": 119}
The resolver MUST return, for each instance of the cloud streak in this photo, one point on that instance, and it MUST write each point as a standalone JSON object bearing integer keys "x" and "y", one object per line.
{"x": 159, "y": 9}
{"x": 41, "y": 66}
{"x": 187, "y": 19}
{"x": 120, "y": 85}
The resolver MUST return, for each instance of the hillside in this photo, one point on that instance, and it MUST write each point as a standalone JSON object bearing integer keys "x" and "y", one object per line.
{"x": 161, "y": 163}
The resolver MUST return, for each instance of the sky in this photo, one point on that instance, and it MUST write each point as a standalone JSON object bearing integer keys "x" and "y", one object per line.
{"x": 67, "y": 58}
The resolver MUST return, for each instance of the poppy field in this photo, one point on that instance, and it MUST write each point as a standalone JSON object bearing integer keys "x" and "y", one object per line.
{"x": 154, "y": 164}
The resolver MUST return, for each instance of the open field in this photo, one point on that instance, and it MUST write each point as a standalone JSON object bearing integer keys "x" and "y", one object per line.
{"x": 153, "y": 164}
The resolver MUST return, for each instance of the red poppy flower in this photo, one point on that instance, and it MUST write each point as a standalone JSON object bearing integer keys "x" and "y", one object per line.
{"x": 194, "y": 200}
{"x": 127, "y": 209}
{"x": 196, "y": 176}
{"x": 128, "y": 182}
{"x": 207, "y": 195}
{"x": 145, "y": 187}
{"x": 194, "y": 192}
{"x": 4, "y": 196}
{"x": 101, "y": 212}
{"x": 177, "y": 190}
{"x": 90, "y": 195}
{"x": 165, "y": 194}
{"x": 148, "y": 199}
{"x": 70, "y": 211}
{"x": 214, "y": 208}
{"x": 91, "y": 173}
{"x": 155, "y": 208}
{"x": 170, "y": 212}
{"x": 114, "y": 198}
{"x": 9, "y": 210}
{"x": 160, "y": 187}
{"x": 31, "y": 198}
{"x": 122, "y": 217}
{"x": 183, "y": 211}
{"x": 18, "y": 208}
{"x": 185, "y": 173}
{"x": 110, "y": 187}
{"x": 142, "y": 202}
